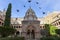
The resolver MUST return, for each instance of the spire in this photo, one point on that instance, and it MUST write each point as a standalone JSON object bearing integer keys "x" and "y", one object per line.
{"x": 30, "y": 15}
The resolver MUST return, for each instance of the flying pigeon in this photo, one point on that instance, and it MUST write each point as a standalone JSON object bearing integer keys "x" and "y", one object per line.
{"x": 17, "y": 10}
{"x": 43, "y": 12}
{"x": 37, "y": 3}
{"x": 29, "y": 1}
{"x": 24, "y": 6}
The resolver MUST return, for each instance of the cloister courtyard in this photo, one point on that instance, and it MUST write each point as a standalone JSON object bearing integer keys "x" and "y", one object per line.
{"x": 30, "y": 26}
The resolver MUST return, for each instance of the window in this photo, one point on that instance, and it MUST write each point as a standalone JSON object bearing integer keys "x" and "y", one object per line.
{"x": 12, "y": 26}
{"x": 0, "y": 22}
{"x": 40, "y": 26}
{"x": 43, "y": 27}
{"x": 16, "y": 26}
{"x": 17, "y": 33}
{"x": 59, "y": 23}
{"x": 56, "y": 23}
{"x": 19, "y": 26}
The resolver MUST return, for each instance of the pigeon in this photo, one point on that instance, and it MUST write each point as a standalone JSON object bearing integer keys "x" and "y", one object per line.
{"x": 29, "y": 1}
{"x": 17, "y": 10}
{"x": 37, "y": 3}
{"x": 24, "y": 6}
{"x": 43, "y": 12}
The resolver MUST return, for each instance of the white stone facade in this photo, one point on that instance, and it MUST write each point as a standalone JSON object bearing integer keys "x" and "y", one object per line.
{"x": 31, "y": 22}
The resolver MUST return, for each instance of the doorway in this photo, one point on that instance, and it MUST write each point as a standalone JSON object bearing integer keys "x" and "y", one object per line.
{"x": 17, "y": 33}
{"x": 31, "y": 34}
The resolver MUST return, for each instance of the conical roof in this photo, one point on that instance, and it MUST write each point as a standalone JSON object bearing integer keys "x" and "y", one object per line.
{"x": 30, "y": 15}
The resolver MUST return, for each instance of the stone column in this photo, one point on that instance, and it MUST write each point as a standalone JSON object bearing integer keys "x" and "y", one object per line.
{"x": 20, "y": 32}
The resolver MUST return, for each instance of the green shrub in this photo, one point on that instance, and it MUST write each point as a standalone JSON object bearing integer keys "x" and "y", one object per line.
{"x": 5, "y": 32}
{"x": 50, "y": 38}
{"x": 47, "y": 38}
{"x": 12, "y": 38}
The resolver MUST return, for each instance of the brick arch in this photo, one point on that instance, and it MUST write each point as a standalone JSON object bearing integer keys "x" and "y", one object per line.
{"x": 31, "y": 27}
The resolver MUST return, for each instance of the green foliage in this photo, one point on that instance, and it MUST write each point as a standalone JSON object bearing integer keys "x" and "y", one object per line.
{"x": 47, "y": 28}
{"x": 4, "y": 31}
{"x": 43, "y": 32}
{"x": 58, "y": 31}
{"x": 47, "y": 38}
{"x": 8, "y": 16}
{"x": 50, "y": 38}
{"x": 12, "y": 38}
{"x": 52, "y": 30}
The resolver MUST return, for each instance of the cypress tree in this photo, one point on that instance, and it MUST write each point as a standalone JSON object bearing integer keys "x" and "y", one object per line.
{"x": 8, "y": 16}
{"x": 6, "y": 30}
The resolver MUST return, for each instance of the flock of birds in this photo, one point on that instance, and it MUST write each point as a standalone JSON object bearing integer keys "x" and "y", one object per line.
{"x": 29, "y": 1}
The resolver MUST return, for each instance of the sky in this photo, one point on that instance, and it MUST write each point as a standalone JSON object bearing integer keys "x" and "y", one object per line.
{"x": 42, "y": 6}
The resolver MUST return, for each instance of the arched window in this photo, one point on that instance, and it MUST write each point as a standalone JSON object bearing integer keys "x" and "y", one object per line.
{"x": 56, "y": 23}
{"x": 59, "y": 23}
{"x": 0, "y": 22}
{"x": 28, "y": 32}
{"x": 40, "y": 26}
{"x": 19, "y": 26}
{"x": 17, "y": 33}
{"x": 16, "y": 26}
{"x": 43, "y": 27}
